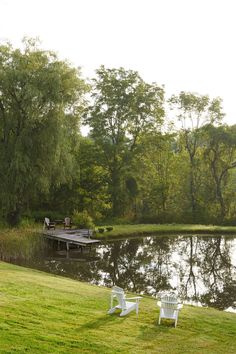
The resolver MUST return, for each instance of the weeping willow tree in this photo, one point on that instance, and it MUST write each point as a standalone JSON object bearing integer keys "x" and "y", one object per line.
{"x": 38, "y": 94}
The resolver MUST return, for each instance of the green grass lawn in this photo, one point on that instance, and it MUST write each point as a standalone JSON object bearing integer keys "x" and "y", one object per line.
{"x": 43, "y": 313}
{"x": 147, "y": 229}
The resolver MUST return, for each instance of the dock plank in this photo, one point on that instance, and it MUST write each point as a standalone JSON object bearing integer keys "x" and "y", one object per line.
{"x": 70, "y": 236}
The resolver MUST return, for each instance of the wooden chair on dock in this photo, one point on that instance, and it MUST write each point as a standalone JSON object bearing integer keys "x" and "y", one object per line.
{"x": 67, "y": 223}
{"x": 49, "y": 224}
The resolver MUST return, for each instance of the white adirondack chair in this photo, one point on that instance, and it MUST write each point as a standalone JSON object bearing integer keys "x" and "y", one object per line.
{"x": 169, "y": 308}
{"x": 124, "y": 305}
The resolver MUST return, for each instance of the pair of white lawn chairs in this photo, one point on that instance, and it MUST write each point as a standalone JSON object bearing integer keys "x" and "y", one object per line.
{"x": 169, "y": 305}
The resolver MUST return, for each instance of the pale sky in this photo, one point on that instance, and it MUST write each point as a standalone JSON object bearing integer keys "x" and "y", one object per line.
{"x": 185, "y": 45}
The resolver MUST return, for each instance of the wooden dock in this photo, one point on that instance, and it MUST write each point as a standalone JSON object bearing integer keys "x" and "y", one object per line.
{"x": 79, "y": 237}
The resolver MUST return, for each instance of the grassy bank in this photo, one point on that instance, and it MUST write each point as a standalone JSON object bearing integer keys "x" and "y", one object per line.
{"x": 42, "y": 313}
{"x": 24, "y": 232}
{"x": 148, "y": 229}
{"x": 20, "y": 242}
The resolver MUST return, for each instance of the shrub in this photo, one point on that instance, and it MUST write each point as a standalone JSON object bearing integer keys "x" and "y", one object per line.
{"x": 27, "y": 222}
{"x": 82, "y": 220}
{"x": 101, "y": 230}
{"x": 109, "y": 228}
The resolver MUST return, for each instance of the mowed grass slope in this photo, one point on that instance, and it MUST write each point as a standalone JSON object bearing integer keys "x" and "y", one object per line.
{"x": 43, "y": 313}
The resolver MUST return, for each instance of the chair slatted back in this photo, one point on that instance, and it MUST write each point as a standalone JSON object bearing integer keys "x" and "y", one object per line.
{"x": 67, "y": 221}
{"x": 120, "y": 296}
{"x": 169, "y": 303}
{"x": 47, "y": 221}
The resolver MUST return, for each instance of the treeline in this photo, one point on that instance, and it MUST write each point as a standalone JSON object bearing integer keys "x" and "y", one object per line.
{"x": 146, "y": 158}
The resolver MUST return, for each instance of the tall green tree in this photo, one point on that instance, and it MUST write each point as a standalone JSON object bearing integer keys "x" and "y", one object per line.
{"x": 157, "y": 183}
{"x": 123, "y": 108}
{"x": 38, "y": 94}
{"x": 220, "y": 155}
{"x": 193, "y": 112}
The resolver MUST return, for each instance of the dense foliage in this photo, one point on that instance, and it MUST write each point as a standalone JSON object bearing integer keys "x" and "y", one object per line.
{"x": 38, "y": 95}
{"x": 133, "y": 165}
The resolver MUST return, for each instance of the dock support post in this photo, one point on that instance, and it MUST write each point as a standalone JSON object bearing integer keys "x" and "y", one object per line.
{"x": 67, "y": 246}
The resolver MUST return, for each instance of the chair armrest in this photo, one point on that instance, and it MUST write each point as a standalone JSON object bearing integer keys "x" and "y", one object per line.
{"x": 134, "y": 298}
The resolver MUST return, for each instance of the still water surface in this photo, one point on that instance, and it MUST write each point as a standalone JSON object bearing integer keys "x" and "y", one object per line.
{"x": 200, "y": 269}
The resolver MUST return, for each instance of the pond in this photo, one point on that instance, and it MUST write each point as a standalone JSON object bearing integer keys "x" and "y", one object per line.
{"x": 202, "y": 269}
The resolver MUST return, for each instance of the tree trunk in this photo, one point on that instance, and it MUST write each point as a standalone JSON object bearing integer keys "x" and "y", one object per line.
{"x": 219, "y": 195}
{"x": 115, "y": 193}
{"x": 192, "y": 193}
{"x": 220, "y": 199}
{"x": 13, "y": 217}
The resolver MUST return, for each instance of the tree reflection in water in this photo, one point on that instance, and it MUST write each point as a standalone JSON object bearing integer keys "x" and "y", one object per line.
{"x": 199, "y": 268}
